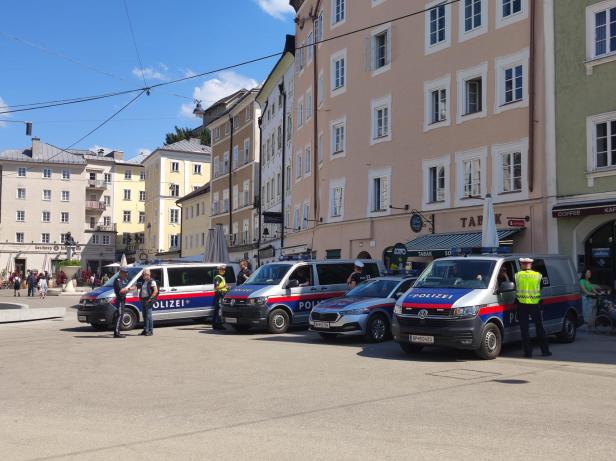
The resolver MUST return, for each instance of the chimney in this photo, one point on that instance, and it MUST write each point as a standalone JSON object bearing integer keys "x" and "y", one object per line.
{"x": 37, "y": 148}
{"x": 116, "y": 154}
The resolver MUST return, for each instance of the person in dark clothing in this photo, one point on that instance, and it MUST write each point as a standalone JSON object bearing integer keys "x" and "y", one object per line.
{"x": 120, "y": 287}
{"x": 148, "y": 291}
{"x": 357, "y": 276}
{"x": 31, "y": 280}
{"x": 244, "y": 272}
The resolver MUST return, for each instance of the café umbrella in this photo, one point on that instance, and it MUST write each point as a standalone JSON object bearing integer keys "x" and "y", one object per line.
{"x": 489, "y": 234}
{"x": 216, "y": 246}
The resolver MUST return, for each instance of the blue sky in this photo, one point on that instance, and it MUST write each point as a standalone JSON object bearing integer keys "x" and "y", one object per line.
{"x": 71, "y": 48}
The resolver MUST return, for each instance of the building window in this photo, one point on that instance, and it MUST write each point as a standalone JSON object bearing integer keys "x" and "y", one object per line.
{"x": 305, "y": 215}
{"x": 128, "y": 175}
{"x": 46, "y": 194}
{"x": 307, "y": 161}
{"x": 20, "y": 216}
{"x": 511, "y": 7}
{"x": 62, "y": 238}
{"x": 511, "y": 164}
{"x": 601, "y": 29}
{"x": 298, "y": 165}
{"x": 473, "y": 90}
{"x": 174, "y": 216}
{"x": 338, "y": 11}
{"x": 21, "y": 172}
{"x": 380, "y": 194}
{"x": 175, "y": 167}
{"x": 309, "y": 42}
{"x": 107, "y": 177}
{"x": 236, "y": 156}
{"x": 602, "y": 137}
{"x": 381, "y": 109}
{"x": 246, "y": 192}
{"x": 66, "y": 175}
{"x": 225, "y": 163}
{"x": 338, "y": 77}
{"x": 46, "y": 216}
{"x": 107, "y": 200}
{"x": 247, "y": 150}
{"x": 288, "y": 179}
{"x": 381, "y": 49}
{"x": 142, "y": 176}
{"x": 472, "y": 177}
{"x": 300, "y": 112}
{"x": 126, "y": 194}
{"x": 92, "y": 176}
{"x": 338, "y": 143}
{"x": 44, "y": 237}
{"x": 106, "y": 221}
{"x": 142, "y": 196}
{"x": 174, "y": 241}
{"x": 106, "y": 240}
{"x": 472, "y": 93}
{"x": 174, "y": 190}
{"x": 473, "y": 18}
{"x": 47, "y": 173}
{"x": 65, "y": 196}
{"x": 320, "y": 149}
{"x": 126, "y": 216}
{"x": 225, "y": 201}
{"x": 19, "y": 237}
{"x": 437, "y": 103}
{"x": 95, "y": 239}
{"x": 511, "y": 83}
{"x": 336, "y": 200}
{"x": 438, "y": 33}
{"x": 308, "y": 103}
{"x": 235, "y": 197}
{"x": 318, "y": 27}
{"x": 510, "y": 11}
{"x": 197, "y": 168}
{"x": 296, "y": 219}
{"x": 64, "y": 217}
{"x": 436, "y": 184}
{"x": 21, "y": 193}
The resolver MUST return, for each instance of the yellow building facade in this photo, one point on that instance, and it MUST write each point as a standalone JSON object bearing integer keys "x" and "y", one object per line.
{"x": 129, "y": 195}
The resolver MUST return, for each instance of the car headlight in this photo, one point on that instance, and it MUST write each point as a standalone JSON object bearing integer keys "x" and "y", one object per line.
{"x": 469, "y": 311}
{"x": 109, "y": 300}
{"x": 355, "y": 311}
{"x": 258, "y": 301}
{"x": 398, "y": 308}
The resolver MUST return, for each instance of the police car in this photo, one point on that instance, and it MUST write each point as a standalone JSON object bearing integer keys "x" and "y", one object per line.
{"x": 186, "y": 291}
{"x": 365, "y": 310}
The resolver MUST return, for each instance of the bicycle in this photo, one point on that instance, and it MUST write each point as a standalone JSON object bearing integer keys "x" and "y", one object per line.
{"x": 605, "y": 317}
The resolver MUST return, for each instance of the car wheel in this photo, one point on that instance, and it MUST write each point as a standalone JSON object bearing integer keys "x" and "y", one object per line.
{"x": 129, "y": 320}
{"x": 377, "y": 329}
{"x": 100, "y": 326}
{"x": 328, "y": 336}
{"x": 241, "y": 328}
{"x": 491, "y": 342}
{"x": 569, "y": 330}
{"x": 410, "y": 348}
{"x": 278, "y": 321}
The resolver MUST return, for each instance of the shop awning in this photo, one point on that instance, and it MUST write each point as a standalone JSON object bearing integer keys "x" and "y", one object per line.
{"x": 572, "y": 209}
{"x": 438, "y": 245}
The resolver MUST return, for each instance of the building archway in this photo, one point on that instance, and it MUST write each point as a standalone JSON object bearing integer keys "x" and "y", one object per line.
{"x": 364, "y": 255}
{"x": 600, "y": 254}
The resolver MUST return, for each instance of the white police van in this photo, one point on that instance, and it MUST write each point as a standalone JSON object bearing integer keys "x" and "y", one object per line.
{"x": 282, "y": 294}
{"x": 186, "y": 290}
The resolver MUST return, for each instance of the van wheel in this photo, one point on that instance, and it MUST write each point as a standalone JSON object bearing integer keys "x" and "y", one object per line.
{"x": 241, "y": 328}
{"x": 569, "y": 330}
{"x": 411, "y": 348}
{"x": 278, "y": 321}
{"x": 377, "y": 329}
{"x": 491, "y": 342}
{"x": 100, "y": 326}
{"x": 129, "y": 320}
{"x": 327, "y": 336}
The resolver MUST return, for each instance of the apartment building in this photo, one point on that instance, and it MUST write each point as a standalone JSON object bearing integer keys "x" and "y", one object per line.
{"x": 129, "y": 207}
{"x": 171, "y": 172}
{"x": 196, "y": 221}
{"x": 585, "y": 128}
{"x": 276, "y": 124}
{"x": 235, "y": 153}
{"x": 420, "y": 117}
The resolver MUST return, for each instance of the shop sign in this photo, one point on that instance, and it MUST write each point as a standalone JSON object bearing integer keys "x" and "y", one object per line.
{"x": 272, "y": 217}
{"x": 601, "y": 252}
{"x": 295, "y": 250}
{"x": 584, "y": 211}
{"x": 477, "y": 221}
{"x": 416, "y": 223}
{"x": 516, "y": 222}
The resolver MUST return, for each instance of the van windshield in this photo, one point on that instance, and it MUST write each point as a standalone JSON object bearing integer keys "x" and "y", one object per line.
{"x": 464, "y": 273}
{"x": 269, "y": 274}
{"x": 132, "y": 273}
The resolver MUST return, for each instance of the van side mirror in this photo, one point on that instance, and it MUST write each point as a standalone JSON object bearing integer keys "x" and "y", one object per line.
{"x": 292, "y": 283}
{"x": 506, "y": 287}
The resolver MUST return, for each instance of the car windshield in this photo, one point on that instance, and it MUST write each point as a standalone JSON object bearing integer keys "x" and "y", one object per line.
{"x": 132, "y": 273}
{"x": 374, "y": 289}
{"x": 269, "y": 274}
{"x": 464, "y": 273}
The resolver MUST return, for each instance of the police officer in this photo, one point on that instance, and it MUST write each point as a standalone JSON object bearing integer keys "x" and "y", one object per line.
{"x": 220, "y": 290}
{"x": 528, "y": 296}
{"x": 148, "y": 291}
{"x": 120, "y": 287}
{"x": 357, "y": 276}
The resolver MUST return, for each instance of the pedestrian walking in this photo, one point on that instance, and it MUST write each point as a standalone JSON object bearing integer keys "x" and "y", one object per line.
{"x": 120, "y": 287}
{"x": 42, "y": 287}
{"x": 357, "y": 276}
{"x": 589, "y": 293}
{"x": 148, "y": 291}
{"x": 528, "y": 298}
{"x": 16, "y": 285}
{"x": 244, "y": 272}
{"x": 31, "y": 282}
{"x": 93, "y": 281}
{"x": 220, "y": 290}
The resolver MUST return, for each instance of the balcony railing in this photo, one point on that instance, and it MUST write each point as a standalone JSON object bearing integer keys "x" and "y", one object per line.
{"x": 95, "y": 206}
{"x": 102, "y": 228}
{"x": 96, "y": 184}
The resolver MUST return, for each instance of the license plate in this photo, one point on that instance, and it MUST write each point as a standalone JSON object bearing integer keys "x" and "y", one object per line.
{"x": 321, "y": 324}
{"x": 81, "y": 318}
{"x": 420, "y": 339}
{"x": 230, "y": 320}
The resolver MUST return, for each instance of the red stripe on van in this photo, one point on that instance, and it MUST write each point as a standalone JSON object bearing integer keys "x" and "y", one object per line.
{"x": 304, "y": 297}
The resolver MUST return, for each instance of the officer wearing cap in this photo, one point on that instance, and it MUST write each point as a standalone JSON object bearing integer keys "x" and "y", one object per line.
{"x": 220, "y": 290}
{"x": 528, "y": 296}
{"x": 120, "y": 287}
{"x": 357, "y": 276}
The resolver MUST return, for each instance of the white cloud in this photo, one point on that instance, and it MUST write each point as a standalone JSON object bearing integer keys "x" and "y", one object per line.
{"x": 150, "y": 73}
{"x": 278, "y": 9}
{"x": 188, "y": 72}
{"x": 224, "y": 84}
{"x": 3, "y": 106}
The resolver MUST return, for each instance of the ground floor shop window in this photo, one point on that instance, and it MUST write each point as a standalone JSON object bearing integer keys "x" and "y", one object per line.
{"x": 600, "y": 250}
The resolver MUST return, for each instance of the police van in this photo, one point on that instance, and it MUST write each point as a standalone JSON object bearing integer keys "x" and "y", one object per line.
{"x": 469, "y": 303}
{"x": 186, "y": 290}
{"x": 282, "y": 294}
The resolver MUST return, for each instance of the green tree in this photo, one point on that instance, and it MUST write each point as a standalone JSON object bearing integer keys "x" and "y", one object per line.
{"x": 186, "y": 133}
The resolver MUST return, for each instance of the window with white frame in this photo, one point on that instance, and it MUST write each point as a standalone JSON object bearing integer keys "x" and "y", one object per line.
{"x": 437, "y": 23}
{"x": 106, "y": 240}
{"x": 19, "y": 237}
{"x": 197, "y": 168}
{"x": 128, "y": 175}
{"x": 305, "y": 215}
{"x": 65, "y": 195}
{"x": 95, "y": 239}
{"x": 318, "y": 27}
{"x": 308, "y": 103}
{"x": 602, "y": 140}
{"x": 509, "y": 170}
{"x": 246, "y": 150}
{"x": 107, "y": 177}
{"x": 175, "y": 167}
{"x": 141, "y": 176}
{"x": 289, "y": 127}
{"x": 336, "y": 199}
{"x": 246, "y": 232}
{"x": 20, "y": 216}
{"x": 471, "y": 176}
{"x": 66, "y": 175}
{"x": 300, "y": 112}
{"x": 236, "y": 156}
{"x": 141, "y": 217}
{"x": 64, "y": 217}
{"x": 126, "y": 216}
{"x": 215, "y": 203}
{"x": 246, "y": 193}
{"x": 142, "y": 196}
{"x": 107, "y": 220}
{"x": 511, "y": 165}
{"x": 174, "y": 190}
{"x": 338, "y": 11}
{"x": 380, "y": 49}
{"x": 338, "y": 73}
{"x": 511, "y": 81}
{"x": 320, "y": 88}
{"x": 288, "y": 179}
{"x": 473, "y": 18}
{"x": 225, "y": 200}
{"x": 47, "y": 173}
{"x": 320, "y": 149}
{"x": 174, "y": 216}
{"x": 298, "y": 165}
{"x": 46, "y": 194}
{"x": 436, "y": 183}
{"x": 174, "y": 241}
{"x": 46, "y": 216}
{"x": 107, "y": 200}
{"x": 126, "y": 194}
{"x": 601, "y": 29}
{"x": 379, "y": 193}
{"x": 21, "y": 193}
{"x": 21, "y": 172}
{"x": 309, "y": 43}
{"x": 437, "y": 103}
{"x": 216, "y": 167}
{"x": 472, "y": 93}
{"x": 296, "y": 223}
{"x": 307, "y": 161}
{"x": 278, "y": 185}
{"x": 62, "y": 238}
{"x": 510, "y": 11}
{"x": 381, "y": 110}
{"x": 338, "y": 137}
{"x": 45, "y": 237}
{"x": 225, "y": 163}
{"x": 236, "y": 197}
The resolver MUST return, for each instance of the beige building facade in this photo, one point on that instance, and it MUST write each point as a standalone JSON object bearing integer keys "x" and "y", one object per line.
{"x": 196, "y": 220}
{"x": 235, "y": 180}
{"x": 423, "y": 116}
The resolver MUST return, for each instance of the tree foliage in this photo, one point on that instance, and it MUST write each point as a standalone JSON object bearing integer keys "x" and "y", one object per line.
{"x": 187, "y": 133}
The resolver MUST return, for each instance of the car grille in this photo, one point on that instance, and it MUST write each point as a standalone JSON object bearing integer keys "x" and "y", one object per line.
{"x": 431, "y": 312}
{"x": 241, "y": 313}
{"x": 466, "y": 336}
{"x": 427, "y": 322}
{"x": 328, "y": 317}
{"x": 237, "y": 302}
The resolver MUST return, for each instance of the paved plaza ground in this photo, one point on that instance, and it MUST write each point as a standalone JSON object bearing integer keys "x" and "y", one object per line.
{"x": 71, "y": 393}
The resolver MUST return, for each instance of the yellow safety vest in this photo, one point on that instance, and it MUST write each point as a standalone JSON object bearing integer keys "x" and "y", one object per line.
{"x": 528, "y": 287}
{"x": 220, "y": 284}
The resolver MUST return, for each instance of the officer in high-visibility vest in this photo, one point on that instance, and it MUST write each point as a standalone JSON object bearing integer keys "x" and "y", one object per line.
{"x": 220, "y": 290}
{"x": 528, "y": 296}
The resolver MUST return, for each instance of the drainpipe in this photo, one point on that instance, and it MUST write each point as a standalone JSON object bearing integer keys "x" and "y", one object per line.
{"x": 260, "y": 202}
{"x": 315, "y": 114}
{"x": 531, "y": 99}
{"x": 284, "y": 154}
{"x": 230, "y": 179}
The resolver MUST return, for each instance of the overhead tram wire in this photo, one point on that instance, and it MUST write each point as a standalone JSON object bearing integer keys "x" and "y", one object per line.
{"x": 240, "y": 64}
{"x": 132, "y": 34}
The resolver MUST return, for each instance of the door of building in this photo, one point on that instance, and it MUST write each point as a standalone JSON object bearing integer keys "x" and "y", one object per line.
{"x": 601, "y": 255}
{"x": 20, "y": 265}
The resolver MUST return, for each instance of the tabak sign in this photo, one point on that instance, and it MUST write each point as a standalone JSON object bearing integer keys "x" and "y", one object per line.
{"x": 477, "y": 221}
